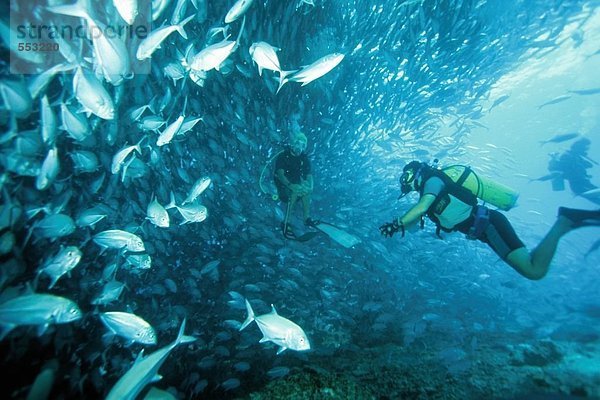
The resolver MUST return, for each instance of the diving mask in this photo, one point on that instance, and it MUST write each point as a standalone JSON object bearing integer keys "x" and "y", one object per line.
{"x": 406, "y": 182}
{"x": 298, "y": 147}
{"x": 408, "y": 178}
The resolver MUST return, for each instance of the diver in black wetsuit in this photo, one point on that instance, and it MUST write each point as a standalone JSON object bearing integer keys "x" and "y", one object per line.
{"x": 572, "y": 166}
{"x": 294, "y": 180}
{"x": 453, "y": 209}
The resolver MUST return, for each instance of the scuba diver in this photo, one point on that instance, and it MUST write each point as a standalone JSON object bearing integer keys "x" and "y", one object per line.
{"x": 454, "y": 207}
{"x": 572, "y": 166}
{"x": 294, "y": 181}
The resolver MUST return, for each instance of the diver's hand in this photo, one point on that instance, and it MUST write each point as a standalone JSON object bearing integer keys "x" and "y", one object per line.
{"x": 307, "y": 187}
{"x": 390, "y": 228}
{"x": 296, "y": 189}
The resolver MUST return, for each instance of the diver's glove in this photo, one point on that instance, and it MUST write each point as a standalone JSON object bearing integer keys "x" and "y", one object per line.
{"x": 297, "y": 189}
{"x": 390, "y": 228}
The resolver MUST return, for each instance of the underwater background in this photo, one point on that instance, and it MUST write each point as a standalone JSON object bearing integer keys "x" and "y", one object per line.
{"x": 494, "y": 84}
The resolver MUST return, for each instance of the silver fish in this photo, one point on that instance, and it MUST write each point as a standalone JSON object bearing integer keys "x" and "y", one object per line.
{"x": 139, "y": 261}
{"x": 7, "y": 243}
{"x": 40, "y": 82}
{"x": 75, "y": 124}
{"x": 188, "y": 124}
{"x": 110, "y": 292}
{"x": 555, "y": 100}
{"x": 237, "y": 10}
{"x": 316, "y": 70}
{"x": 129, "y": 326}
{"x": 157, "y": 214}
{"x": 190, "y": 212}
{"x": 49, "y": 170}
{"x": 145, "y": 370}
{"x": 118, "y": 239}
{"x": 158, "y": 6}
{"x": 54, "y": 226}
{"x": 265, "y": 56}
{"x": 170, "y": 131}
{"x": 153, "y": 41}
{"x": 277, "y": 329}
{"x": 121, "y": 155}
{"x": 15, "y": 97}
{"x": 198, "y": 188}
{"x": 92, "y": 95}
{"x": 63, "y": 262}
{"x": 84, "y": 161}
{"x": 212, "y": 57}
{"x": 47, "y": 122}
{"x": 174, "y": 71}
{"x": 91, "y": 216}
{"x": 10, "y": 39}
{"x": 128, "y": 9}
{"x": 37, "y": 309}
{"x": 151, "y": 123}
{"x": 110, "y": 51}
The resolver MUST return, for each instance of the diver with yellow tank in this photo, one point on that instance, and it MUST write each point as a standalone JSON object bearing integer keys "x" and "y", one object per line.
{"x": 449, "y": 197}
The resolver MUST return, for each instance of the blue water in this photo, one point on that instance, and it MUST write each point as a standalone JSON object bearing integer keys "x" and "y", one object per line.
{"x": 466, "y": 82}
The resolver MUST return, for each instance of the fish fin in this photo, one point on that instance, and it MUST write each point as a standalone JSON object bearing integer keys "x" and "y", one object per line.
{"x": 181, "y": 330}
{"x": 29, "y": 233}
{"x": 264, "y": 339}
{"x": 281, "y": 350}
{"x": 156, "y": 378}
{"x": 42, "y": 329}
{"x": 260, "y": 70}
{"x": 273, "y": 310}
{"x": 250, "y": 317}
{"x": 36, "y": 280}
{"x": 139, "y": 357}
{"x": 53, "y": 282}
{"x": 5, "y": 329}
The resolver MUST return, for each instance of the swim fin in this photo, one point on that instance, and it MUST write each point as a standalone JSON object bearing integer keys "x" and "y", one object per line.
{"x": 342, "y": 237}
{"x": 290, "y": 235}
{"x": 306, "y": 237}
{"x": 580, "y": 218}
{"x": 287, "y": 231}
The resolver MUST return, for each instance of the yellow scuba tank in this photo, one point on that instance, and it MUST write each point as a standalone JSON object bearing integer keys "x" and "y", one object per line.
{"x": 485, "y": 189}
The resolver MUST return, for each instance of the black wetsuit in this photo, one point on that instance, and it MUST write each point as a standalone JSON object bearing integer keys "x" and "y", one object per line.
{"x": 572, "y": 166}
{"x": 295, "y": 168}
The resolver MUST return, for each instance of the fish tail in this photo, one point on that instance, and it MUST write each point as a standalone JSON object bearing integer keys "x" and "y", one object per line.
{"x": 36, "y": 279}
{"x": 181, "y": 338}
{"x": 29, "y": 233}
{"x": 138, "y": 146}
{"x": 250, "y": 317}
{"x": 172, "y": 203}
{"x": 180, "y": 26}
{"x": 283, "y": 79}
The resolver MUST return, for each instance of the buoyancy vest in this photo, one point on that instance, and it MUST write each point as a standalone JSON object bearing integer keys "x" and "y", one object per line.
{"x": 453, "y": 208}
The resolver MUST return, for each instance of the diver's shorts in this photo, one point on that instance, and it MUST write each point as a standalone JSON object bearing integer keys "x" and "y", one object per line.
{"x": 500, "y": 235}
